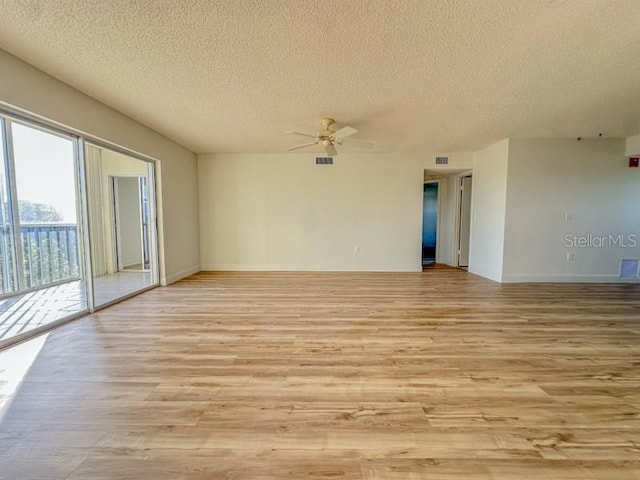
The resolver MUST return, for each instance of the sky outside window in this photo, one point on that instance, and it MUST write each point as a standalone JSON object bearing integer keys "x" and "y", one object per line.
{"x": 45, "y": 170}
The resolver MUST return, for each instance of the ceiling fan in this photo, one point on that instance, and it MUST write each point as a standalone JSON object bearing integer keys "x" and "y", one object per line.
{"x": 329, "y": 138}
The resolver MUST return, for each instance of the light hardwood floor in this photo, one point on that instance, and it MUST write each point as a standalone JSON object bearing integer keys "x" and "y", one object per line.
{"x": 437, "y": 375}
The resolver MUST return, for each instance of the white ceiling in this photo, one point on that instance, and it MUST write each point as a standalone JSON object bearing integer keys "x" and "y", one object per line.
{"x": 411, "y": 75}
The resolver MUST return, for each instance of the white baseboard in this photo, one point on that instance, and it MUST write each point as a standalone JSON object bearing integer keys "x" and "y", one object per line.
{"x": 568, "y": 278}
{"x": 174, "y": 277}
{"x": 230, "y": 267}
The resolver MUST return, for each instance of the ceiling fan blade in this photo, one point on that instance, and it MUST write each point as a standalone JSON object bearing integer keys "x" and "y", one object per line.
{"x": 331, "y": 150}
{"x": 344, "y": 132}
{"x": 302, "y": 146}
{"x": 301, "y": 134}
{"x": 358, "y": 143}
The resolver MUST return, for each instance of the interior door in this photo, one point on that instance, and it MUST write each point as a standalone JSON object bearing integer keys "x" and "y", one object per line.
{"x": 465, "y": 222}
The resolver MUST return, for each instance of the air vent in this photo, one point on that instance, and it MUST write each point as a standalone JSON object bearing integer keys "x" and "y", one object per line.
{"x": 442, "y": 160}
{"x": 324, "y": 160}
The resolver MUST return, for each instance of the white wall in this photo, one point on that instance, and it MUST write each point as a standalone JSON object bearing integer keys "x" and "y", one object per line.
{"x": 282, "y": 212}
{"x": 559, "y": 187}
{"x": 632, "y": 145}
{"x": 488, "y": 207}
{"x": 24, "y": 87}
{"x": 457, "y": 162}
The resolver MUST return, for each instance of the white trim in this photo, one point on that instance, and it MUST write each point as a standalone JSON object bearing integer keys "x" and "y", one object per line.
{"x": 174, "y": 277}
{"x": 84, "y": 227}
{"x": 229, "y": 267}
{"x": 567, "y": 278}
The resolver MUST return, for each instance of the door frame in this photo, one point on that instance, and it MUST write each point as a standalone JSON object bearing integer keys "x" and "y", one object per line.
{"x": 458, "y": 216}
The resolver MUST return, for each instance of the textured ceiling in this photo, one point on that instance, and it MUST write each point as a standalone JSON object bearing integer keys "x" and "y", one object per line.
{"x": 411, "y": 75}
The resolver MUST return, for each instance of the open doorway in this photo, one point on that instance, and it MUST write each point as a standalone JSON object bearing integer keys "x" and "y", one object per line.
{"x": 446, "y": 217}
{"x": 430, "y": 223}
{"x": 130, "y": 223}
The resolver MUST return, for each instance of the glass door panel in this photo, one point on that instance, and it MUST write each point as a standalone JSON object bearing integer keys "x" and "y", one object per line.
{"x": 8, "y": 279}
{"x": 120, "y": 199}
{"x": 47, "y": 205}
{"x": 40, "y": 251}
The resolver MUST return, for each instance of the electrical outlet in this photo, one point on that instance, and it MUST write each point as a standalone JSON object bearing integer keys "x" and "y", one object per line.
{"x": 356, "y": 250}
{"x": 570, "y": 256}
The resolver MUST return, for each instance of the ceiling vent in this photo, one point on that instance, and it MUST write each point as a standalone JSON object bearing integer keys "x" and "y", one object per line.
{"x": 324, "y": 160}
{"x": 442, "y": 160}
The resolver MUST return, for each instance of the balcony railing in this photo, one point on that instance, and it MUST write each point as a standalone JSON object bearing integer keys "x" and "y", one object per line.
{"x": 49, "y": 256}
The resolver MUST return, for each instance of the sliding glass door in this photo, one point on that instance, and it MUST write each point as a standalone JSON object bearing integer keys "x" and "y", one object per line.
{"x": 121, "y": 201}
{"x": 8, "y": 282}
{"x": 77, "y": 226}
{"x": 40, "y": 254}
{"x": 45, "y": 186}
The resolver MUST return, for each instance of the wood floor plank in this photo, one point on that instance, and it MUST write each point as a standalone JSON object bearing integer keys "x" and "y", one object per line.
{"x": 435, "y": 375}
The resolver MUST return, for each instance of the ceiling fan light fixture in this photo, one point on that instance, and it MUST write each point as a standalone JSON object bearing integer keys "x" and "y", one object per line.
{"x": 329, "y": 138}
